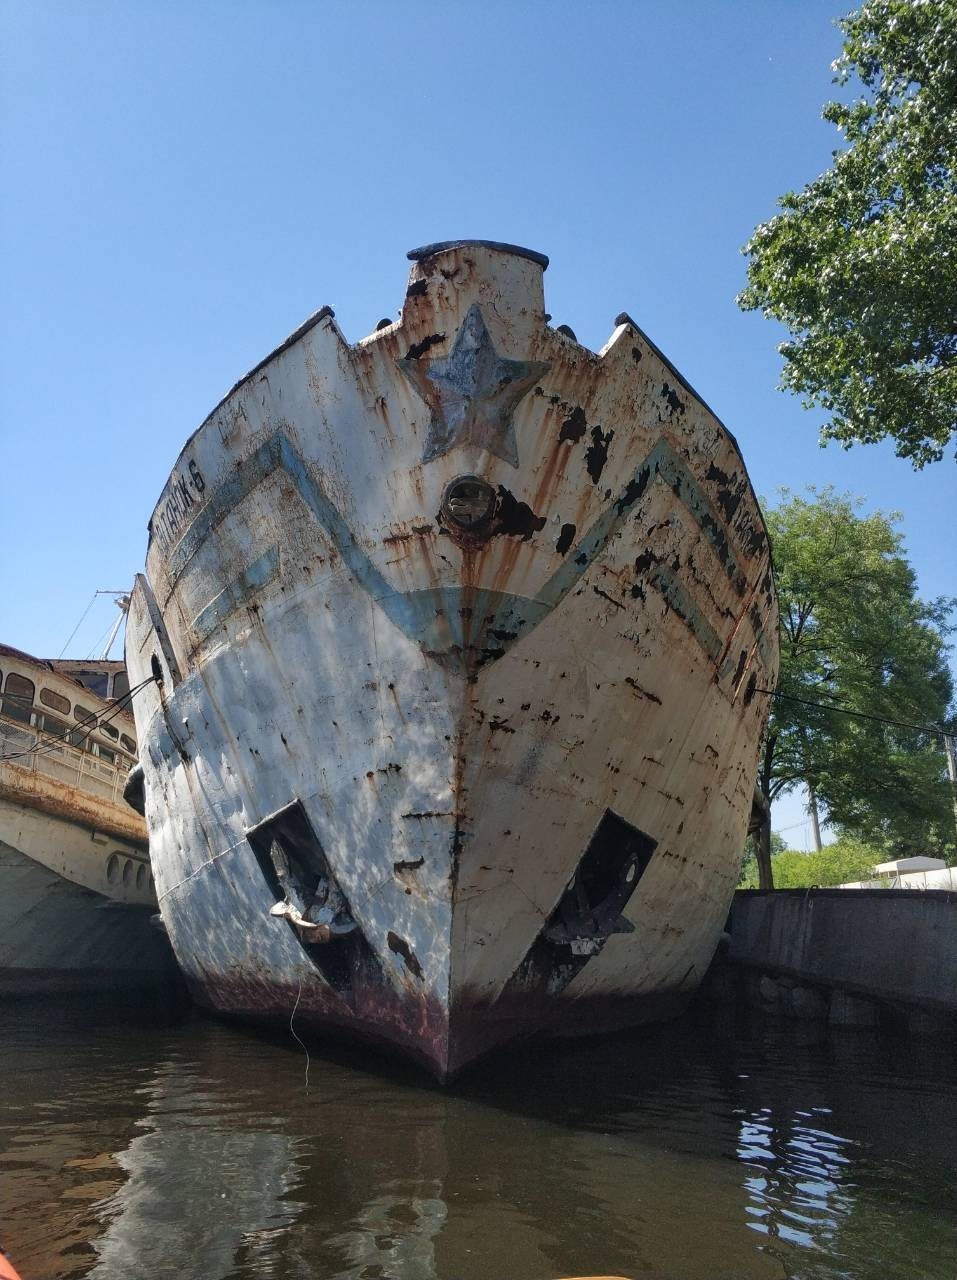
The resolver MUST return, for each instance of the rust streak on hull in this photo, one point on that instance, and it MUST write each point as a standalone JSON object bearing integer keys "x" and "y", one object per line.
{"x": 457, "y": 630}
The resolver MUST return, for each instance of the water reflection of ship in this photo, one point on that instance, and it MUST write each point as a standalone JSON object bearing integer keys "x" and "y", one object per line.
{"x": 593, "y": 1159}
{"x": 391, "y": 1181}
{"x": 69, "y": 1101}
{"x": 200, "y": 1190}
{"x": 118, "y": 1167}
{"x": 552, "y": 1175}
{"x": 238, "y": 1171}
{"x": 640, "y": 1155}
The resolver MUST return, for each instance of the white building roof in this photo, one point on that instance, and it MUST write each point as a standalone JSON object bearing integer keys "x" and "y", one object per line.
{"x": 902, "y": 865}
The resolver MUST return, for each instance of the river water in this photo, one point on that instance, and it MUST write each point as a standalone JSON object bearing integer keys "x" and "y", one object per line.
{"x": 130, "y": 1148}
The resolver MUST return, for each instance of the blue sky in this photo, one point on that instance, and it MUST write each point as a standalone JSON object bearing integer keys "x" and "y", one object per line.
{"x": 183, "y": 183}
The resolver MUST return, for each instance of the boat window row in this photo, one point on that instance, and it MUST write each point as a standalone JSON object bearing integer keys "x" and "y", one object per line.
{"x": 17, "y": 703}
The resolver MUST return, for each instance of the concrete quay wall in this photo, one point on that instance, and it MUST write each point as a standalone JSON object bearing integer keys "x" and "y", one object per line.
{"x": 848, "y": 955}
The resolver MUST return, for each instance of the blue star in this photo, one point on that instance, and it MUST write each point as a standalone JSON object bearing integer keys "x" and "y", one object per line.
{"x": 472, "y": 392}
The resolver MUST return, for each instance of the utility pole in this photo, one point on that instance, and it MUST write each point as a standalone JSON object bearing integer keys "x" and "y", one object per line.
{"x": 812, "y": 799}
{"x": 951, "y": 772}
{"x": 815, "y": 819}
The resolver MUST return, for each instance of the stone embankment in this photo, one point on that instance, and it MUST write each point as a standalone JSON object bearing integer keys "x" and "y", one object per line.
{"x": 850, "y": 957}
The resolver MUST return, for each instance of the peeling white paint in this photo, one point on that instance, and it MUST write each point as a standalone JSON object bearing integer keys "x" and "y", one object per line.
{"x": 455, "y": 712}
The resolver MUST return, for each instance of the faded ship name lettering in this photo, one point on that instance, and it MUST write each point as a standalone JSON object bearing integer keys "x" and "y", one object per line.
{"x": 182, "y": 495}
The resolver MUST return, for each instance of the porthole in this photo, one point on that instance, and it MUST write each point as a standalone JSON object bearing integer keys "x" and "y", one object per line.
{"x": 112, "y": 869}
{"x": 468, "y": 502}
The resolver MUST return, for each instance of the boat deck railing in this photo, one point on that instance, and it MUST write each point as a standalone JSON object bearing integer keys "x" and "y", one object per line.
{"x": 55, "y": 758}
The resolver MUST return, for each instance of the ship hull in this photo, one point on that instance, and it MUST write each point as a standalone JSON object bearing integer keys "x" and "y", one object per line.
{"x": 76, "y": 890}
{"x": 59, "y": 938}
{"x": 517, "y": 761}
{"x": 454, "y": 821}
{"x": 443, "y": 1043}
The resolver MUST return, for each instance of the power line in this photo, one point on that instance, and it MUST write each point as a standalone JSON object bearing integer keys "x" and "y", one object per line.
{"x": 99, "y": 644}
{"x": 794, "y": 825}
{"x": 48, "y": 742}
{"x": 79, "y": 624}
{"x": 85, "y": 612}
{"x": 860, "y": 715}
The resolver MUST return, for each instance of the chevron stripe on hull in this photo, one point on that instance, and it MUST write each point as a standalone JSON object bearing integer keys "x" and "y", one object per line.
{"x": 462, "y": 637}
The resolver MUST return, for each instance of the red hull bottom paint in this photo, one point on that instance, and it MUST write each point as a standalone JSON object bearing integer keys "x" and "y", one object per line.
{"x": 443, "y": 1044}
{"x": 459, "y": 638}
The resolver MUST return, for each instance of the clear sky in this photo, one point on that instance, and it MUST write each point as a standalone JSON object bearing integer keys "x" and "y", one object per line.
{"x": 183, "y": 183}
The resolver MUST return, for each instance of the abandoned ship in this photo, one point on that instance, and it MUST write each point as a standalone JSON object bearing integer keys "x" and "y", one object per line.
{"x": 76, "y": 890}
{"x": 460, "y": 640}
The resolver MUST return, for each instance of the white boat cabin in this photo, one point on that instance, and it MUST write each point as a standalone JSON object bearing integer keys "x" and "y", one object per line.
{"x": 52, "y": 699}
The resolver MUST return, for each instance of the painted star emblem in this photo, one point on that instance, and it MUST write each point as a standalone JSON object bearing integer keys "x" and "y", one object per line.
{"x": 472, "y": 392}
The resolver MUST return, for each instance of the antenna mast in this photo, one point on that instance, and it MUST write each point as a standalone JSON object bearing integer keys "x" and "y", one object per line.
{"x": 123, "y": 604}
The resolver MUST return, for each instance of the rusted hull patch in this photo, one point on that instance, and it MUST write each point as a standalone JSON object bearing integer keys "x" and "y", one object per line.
{"x": 458, "y": 635}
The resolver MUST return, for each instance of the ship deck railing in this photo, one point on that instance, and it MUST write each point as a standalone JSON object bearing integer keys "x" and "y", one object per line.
{"x": 55, "y": 758}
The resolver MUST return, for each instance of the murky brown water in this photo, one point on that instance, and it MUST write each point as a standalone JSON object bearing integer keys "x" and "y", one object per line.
{"x": 196, "y": 1150}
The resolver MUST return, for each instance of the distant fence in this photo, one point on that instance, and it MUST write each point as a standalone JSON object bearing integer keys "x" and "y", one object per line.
{"x": 944, "y": 878}
{"x": 891, "y": 944}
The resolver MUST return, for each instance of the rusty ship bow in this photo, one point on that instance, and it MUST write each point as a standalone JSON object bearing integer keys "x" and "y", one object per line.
{"x": 461, "y": 637}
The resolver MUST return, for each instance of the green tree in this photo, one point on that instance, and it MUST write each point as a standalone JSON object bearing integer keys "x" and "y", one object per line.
{"x": 861, "y": 266}
{"x": 854, "y": 635}
{"x": 846, "y": 860}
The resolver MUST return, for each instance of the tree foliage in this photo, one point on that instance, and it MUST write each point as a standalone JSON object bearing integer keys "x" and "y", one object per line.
{"x": 855, "y": 635}
{"x": 861, "y": 266}
{"x": 844, "y": 861}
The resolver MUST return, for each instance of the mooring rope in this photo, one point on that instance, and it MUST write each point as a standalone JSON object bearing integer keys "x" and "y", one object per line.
{"x": 293, "y": 1030}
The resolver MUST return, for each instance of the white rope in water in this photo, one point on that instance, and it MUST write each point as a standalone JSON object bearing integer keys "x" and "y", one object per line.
{"x": 293, "y": 1030}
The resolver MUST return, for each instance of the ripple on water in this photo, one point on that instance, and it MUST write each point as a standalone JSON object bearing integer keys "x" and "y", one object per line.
{"x": 195, "y": 1150}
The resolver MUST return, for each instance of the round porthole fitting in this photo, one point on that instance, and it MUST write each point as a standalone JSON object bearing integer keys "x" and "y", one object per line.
{"x": 468, "y": 502}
